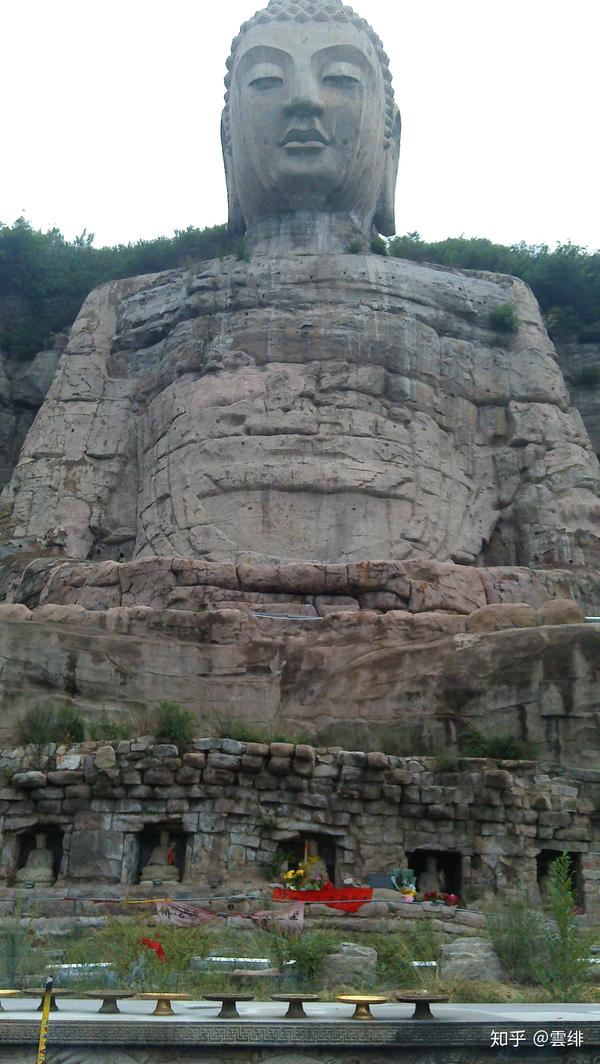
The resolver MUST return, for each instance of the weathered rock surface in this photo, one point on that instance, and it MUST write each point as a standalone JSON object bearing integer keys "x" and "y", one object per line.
{"x": 541, "y": 683}
{"x": 330, "y": 408}
{"x": 469, "y": 958}
{"x": 350, "y": 966}
{"x": 580, "y": 364}
{"x": 302, "y": 587}
{"x": 23, "y": 388}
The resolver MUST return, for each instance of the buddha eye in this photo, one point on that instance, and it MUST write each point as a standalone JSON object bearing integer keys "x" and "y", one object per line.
{"x": 341, "y": 81}
{"x": 268, "y": 82}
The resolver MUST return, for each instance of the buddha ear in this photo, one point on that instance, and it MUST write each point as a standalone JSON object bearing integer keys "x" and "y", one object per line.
{"x": 384, "y": 220}
{"x": 236, "y": 225}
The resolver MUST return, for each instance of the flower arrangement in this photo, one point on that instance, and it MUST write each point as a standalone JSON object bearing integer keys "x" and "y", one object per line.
{"x": 440, "y": 897}
{"x": 407, "y": 893}
{"x": 301, "y": 879}
{"x": 294, "y": 878}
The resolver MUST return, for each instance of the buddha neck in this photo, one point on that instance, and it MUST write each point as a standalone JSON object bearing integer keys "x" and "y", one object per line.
{"x": 307, "y": 233}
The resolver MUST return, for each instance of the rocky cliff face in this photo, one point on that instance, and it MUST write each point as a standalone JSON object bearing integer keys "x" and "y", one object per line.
{"x": 580, "y": 364}
{"x": 335, "y": 407}
{"x": 23, "y": 388}
{"x": 503, "y": 669}
{"x": 249, "y": 438}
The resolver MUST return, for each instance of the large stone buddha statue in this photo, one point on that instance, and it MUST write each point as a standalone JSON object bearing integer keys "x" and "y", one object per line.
{"x": 310, "y": 130}
{"x": 318, "y": 401}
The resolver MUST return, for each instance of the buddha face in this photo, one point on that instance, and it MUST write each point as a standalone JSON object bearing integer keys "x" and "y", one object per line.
{"x": 307, "y": 109}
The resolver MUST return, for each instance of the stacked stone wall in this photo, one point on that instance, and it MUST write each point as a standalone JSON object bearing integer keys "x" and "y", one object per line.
{"x": 239, "y": 802}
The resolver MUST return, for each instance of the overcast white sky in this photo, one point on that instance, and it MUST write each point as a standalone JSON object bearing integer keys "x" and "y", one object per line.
{"x": 111, "y": 113}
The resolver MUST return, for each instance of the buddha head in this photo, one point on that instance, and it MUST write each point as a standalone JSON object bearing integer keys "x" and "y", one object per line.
{"x": 310, "y": 123}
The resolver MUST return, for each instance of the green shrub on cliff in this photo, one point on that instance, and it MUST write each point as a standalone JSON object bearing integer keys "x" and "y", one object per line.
{"x": 49, "y": 723}
{"x": 565, "y": 280}
{"x": 504, "y": 319}
{"x": 172, "y": 723}
{"x": 45, "y": 278}
{"x": 472, "y": 744}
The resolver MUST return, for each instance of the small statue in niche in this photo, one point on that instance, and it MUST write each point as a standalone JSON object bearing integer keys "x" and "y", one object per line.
{"x": 39, "y": 866}
{"x": 313, "y": 864}
{"x": 162, "y": 862}
{"x": 432, "y": 878}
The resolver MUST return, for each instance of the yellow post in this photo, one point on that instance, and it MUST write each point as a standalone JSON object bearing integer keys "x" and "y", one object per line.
{"x": 41, "y": 1057}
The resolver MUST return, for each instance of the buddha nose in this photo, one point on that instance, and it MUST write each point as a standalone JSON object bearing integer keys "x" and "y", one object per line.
{"x": 304, "y": 96}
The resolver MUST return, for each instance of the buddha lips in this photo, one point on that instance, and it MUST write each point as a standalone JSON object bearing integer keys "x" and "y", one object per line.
{"x": 156, "y": 946}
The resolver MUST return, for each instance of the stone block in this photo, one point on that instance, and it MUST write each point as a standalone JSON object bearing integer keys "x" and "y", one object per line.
{"x": 142, "y": 791}
{"x": 49, "y": 807}
{"x": 296, "y": 783}
{"x": 233, "y": 746}
{"x": 303, "y": 752}
{"x": 302, "y": 768}
{"x": 106, "y": 758}
{"x": 162, "y": 750}
{"x": 560, "y": 611}
{"x": 378, "y": 762}
{"x": 127, "y": 823}
{"x": 499, "y": 616}
{"x": 204, "y": 745}
{"x": 280, "y": 750}
{"x": 229, "y": 762}
{"x": 218, "y": 776}
{"x": 131, "y": 777}
{"x": 30, "y": 780}
{"x": 314, "y": 801}
{"x": 188, "y": 776}
{"x": 174, "y": 791}
{"x": 401, "y": 776}
{"x": 96, "y": 855}
{"x": 252, "y": 764}
{"x": 326, "y": 772}
{"x": 469, "y": 959}
{"x": 69, "y": 761}
{"x": 61, "y": 777}
{"x": 498, "y": 778}
{"x": 158, "y": 777}
{"x": 257, "y": 749}
{"x": 279, "y": 766}
{"x": 194, "y": 760}
{"x": 554, "y": 819}
{"x": 349, "y": 966}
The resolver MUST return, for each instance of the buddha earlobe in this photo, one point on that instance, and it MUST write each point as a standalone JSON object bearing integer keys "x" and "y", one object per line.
{"x": 236, "y": 223}
{"x": 384, "y": 219}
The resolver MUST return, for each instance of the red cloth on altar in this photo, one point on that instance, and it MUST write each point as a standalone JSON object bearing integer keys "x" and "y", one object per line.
{"x": 348, "y": 899}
